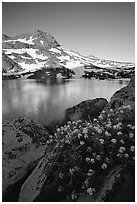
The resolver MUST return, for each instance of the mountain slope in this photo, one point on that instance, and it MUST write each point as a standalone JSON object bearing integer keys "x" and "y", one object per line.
{"x": 39, "y": 50}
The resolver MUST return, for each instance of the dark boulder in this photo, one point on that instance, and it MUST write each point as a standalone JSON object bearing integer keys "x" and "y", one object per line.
{"x": 124, "y": 96}
{"x": 86, "y": 110}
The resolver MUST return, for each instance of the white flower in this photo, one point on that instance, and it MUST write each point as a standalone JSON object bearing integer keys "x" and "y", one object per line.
{"x": 65, "y": 129}
{"x": 85, "y": 136}
{"x": 113, "y": 140}
{"x": 119, "y": 133}
{"x": 126, "y": 155}
{"x": 122, "y": 149}
{"x": 60, "y": 189}
{"x": 101, "y": 141}
{"x": 126, "y": 107}
{"x": 92, "y": 161}
{"x": 76, "y": 168}
{"x": 79, "y": 135}
{"x": 98, "y": 157}
{"x": 129, "y": 125}
{"x": 103, "y": 111}
{"x": 107, "y": 160}
{"x": 87, "y": 159}
{"x": 85, "y": 130}
{"x": 86, "y": 182}
{"x": 118, "y": 126}
{"x": 109, "y": 125}
{"x": 133, "y": 127}
{"x": 67, "y": 141}
{"x": 131, "y": 135}
{"x": 119, "y": 155}
{"x": 58, "y": 129}
{"x": 75, "y": 131}
{"x": 90, "y": 172}
{"x": 111, "y": 110}
{"x": 104, "y": 166}
{"x": 100, "y": 117}
{"x": 51, "y": 136}
{"x": 89, "y": 149}
{"x": 91, "y": 191}
{"x": 132, "y": 148}
{"x": 122, "y": 141}
{"x": 61, "y": 175}
{"x": 71, "y": 171}
{"x": 73, "y": 122}
{"x": 98, "y": 130}
{"x": 121, "y": 111}
{"x": 73, "y": 196}
{"x": 62, "y": 128}
{"x": 107, "y": 134}
{"x": 82, "y": 143}
{"x": 88, "y": 124}
{"x": 95, "y": 120}
{"x": 69, "y": 122}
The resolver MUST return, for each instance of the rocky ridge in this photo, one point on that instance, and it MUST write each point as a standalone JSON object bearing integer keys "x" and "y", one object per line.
{"x": 27, "y": 53}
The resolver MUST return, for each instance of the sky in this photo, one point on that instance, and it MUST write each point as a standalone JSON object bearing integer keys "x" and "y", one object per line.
{"x": 103, "y": 29}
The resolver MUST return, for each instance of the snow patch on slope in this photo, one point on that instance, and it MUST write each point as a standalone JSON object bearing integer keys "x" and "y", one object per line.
{"x": 30, "y": 41}
{"x": 55, "y": 50}
{"x": 31, "y": 52}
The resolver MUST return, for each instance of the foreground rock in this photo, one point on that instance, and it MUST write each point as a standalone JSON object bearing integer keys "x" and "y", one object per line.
{"x": 24, "y": 143}
{"x": 86, "y": 110}
{"x": 39, "y": 187}
{"x": 117, "y": 186}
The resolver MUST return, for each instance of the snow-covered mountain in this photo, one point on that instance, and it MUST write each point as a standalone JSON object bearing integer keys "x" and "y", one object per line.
{"x": 33, "y": 52}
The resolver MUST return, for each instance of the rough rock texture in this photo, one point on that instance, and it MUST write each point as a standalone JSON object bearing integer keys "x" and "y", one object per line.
{"x": 86, "y": 110}
{"x": 43, "y": 46}
{"x": 34, "y": 187}
{"x": 24, "y": 143}
{"x": 117, "y": 186}
{"x": 8, "y": 64}
{"x": 124, "y": 96}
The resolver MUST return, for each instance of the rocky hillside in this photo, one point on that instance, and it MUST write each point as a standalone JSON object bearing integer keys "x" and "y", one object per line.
{"x": 39, "y": 50}
{"x": 83, "y": 160}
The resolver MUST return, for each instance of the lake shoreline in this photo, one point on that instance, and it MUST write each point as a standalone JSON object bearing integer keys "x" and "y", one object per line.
{"x": 122, "y": 102}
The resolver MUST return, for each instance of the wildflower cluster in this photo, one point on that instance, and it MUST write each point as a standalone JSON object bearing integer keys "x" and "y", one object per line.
{"x": 91, "y": 149}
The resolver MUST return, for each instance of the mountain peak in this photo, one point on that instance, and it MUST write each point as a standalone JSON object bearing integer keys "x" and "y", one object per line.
{"x": 40, "y": 33}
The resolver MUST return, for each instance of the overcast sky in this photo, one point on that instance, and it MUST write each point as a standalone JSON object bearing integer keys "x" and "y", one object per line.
{"x": 106, "y": 30}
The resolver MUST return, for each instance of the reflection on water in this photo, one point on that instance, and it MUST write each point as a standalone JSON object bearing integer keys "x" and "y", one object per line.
{"x": 46, "y": 101}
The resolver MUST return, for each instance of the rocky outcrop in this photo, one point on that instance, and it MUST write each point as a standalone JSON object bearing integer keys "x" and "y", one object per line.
{"x": 39, "y": 187}
{"x": 86, "y": 110}
{"x": 43, "y": 46}
{"x": 8, "y": 64}
{"x": 23, "y": 144}
{"x": 124, "y": 96}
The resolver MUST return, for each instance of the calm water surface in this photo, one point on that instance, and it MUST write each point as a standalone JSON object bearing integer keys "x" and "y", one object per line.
{"x": 46, "y": 101}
